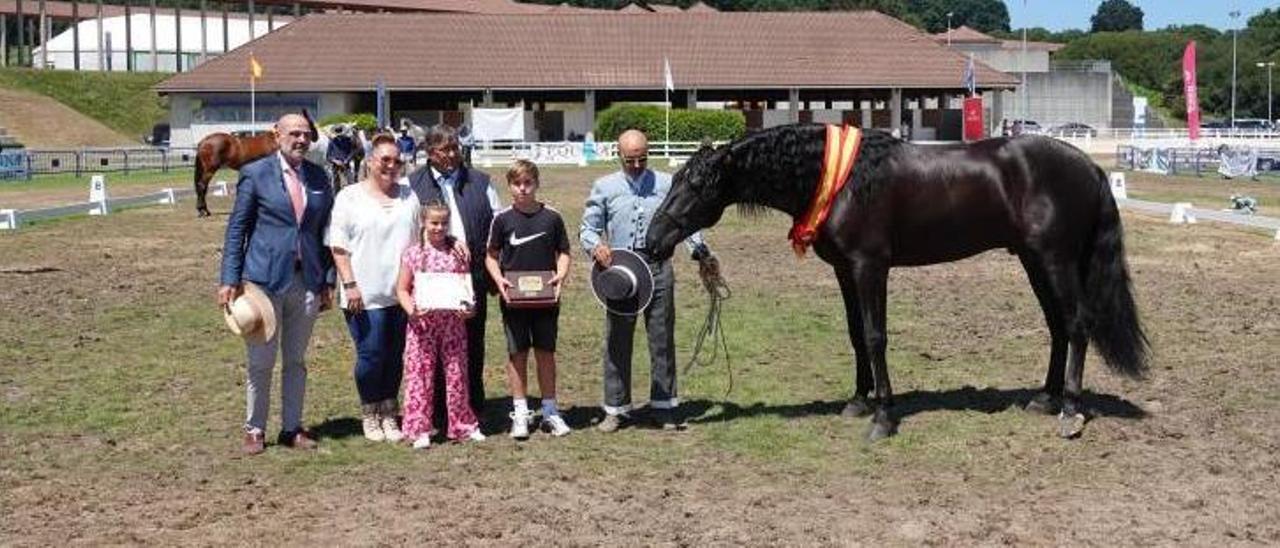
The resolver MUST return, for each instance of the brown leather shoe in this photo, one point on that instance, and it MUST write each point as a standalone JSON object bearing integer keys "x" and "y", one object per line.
{"x": 254, "y": 443}
{"x": 298, "y": 439}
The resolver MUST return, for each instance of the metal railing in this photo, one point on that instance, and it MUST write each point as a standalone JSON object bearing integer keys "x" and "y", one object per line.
{"x": 1185, "y": 160}
{"x": 106, "y": 160}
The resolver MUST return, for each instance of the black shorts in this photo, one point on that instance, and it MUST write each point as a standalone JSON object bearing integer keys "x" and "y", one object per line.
{"x": 530, "y": 327}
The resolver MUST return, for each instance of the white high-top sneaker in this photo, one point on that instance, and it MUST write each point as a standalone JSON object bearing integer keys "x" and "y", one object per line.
{"x": 390, "y": 430}
{"x": 371, "y": 422}
{"x": 520, "y": 424}
{"x": 555, "y": 425}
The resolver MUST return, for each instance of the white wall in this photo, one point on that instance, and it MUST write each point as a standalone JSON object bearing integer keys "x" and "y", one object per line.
{"x": 61, "y": 48}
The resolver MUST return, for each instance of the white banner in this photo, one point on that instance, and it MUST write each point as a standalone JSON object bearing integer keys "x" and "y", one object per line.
{"x": 567, "y": 152}
{"x": 497, "y": 124}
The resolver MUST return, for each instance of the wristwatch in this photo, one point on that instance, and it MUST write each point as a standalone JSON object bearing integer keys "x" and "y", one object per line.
{"x": 349, "y": 285}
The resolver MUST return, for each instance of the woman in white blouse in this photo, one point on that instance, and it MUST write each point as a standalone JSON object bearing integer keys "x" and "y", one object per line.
{"x": 373, "y": 221}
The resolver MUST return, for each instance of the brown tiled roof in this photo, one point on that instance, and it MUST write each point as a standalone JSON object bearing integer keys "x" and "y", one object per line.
{"x": 966, "y": 35}
{"x": 440, "y": 6}
{"x": 699, "y": 7}
{"x": 62, "y": 10}
{"x": 602, "y": 51}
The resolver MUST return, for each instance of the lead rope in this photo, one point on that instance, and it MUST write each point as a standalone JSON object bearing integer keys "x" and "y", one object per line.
{"x": 717, "y": 292}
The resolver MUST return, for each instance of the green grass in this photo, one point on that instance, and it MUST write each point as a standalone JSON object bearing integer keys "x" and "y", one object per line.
{"x": 121, "y": 101}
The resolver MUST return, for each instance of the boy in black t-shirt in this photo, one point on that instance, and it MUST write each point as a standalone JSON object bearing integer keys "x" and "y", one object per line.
{"x": 529, "y": 236}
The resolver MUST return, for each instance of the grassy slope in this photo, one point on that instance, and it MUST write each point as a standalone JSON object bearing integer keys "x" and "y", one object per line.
{"x": 122, "y": 101}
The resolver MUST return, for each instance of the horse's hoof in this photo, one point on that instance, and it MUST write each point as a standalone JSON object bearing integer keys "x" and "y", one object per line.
{"x": 857, "y": 407}
{"x": 1042, "y": 404}
{"x": 1070, "y": 426}
{"x": 879, "y": 431}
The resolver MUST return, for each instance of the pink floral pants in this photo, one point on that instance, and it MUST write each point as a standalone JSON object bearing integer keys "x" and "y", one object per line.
{"x": 437, "y": 336}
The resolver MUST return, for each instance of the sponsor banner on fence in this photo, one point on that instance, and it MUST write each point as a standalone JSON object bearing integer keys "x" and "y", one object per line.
{"x": 1153, "y": 160}
{"x": 1237, "y": 161}
{"x": 13, "y": 165}
{"x": 554, "y": 153}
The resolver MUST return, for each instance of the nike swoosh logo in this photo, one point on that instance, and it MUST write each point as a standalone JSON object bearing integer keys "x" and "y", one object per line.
{"x": 520, "y": 241}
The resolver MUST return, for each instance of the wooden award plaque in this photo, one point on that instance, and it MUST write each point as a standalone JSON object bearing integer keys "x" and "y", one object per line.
{"x": 530, "y": 289}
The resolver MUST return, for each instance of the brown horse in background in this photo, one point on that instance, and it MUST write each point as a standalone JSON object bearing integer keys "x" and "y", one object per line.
{"x": 219, "y": 150}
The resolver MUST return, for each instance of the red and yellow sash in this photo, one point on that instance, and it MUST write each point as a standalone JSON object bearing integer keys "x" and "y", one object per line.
{"x": 837, "y": 161}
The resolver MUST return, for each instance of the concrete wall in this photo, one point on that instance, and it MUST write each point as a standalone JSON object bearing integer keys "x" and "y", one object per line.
{"x": 187, "y": 126}
{"x": 1054, "y": 98}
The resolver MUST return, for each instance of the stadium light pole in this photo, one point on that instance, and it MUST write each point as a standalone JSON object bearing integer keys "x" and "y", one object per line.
{"x": 1268, "y": 65}
{"x": 1234, "y": 33}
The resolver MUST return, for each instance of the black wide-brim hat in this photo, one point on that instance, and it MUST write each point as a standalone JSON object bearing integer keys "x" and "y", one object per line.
{"x": 626, "y": 286}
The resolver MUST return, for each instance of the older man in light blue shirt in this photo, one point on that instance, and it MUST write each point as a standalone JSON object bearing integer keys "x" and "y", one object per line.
{"x": 617, "y": 215}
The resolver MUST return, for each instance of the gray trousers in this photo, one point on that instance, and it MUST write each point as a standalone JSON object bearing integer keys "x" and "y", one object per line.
{"x": 296, "y": 310}
{"x": 659, "y": 322}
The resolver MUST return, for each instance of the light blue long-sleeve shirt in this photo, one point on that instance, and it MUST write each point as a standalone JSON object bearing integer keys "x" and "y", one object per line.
{"x": 624, "y": 209}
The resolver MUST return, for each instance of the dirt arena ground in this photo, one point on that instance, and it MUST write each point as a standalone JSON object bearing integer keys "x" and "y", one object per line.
{"x": 121, "y": 395}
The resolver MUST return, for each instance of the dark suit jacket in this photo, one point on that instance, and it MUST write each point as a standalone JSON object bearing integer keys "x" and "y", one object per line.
{"x": 264, "y": 238}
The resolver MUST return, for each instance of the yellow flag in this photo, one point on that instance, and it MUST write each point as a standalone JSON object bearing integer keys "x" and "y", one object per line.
{"x": 254, "y": 68}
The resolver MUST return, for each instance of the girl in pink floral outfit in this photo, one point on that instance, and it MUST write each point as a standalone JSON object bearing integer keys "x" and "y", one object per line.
{"x": 434, "y": 335}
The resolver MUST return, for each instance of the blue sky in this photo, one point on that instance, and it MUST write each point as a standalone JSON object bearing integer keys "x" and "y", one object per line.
{"x": 1157, "y": 14}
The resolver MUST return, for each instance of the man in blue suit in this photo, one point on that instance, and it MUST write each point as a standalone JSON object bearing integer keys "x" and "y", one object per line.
{"x": 275, "y": 239}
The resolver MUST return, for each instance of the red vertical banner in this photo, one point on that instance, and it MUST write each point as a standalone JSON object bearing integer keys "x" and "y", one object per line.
{"x": 973, "y": 129}
{"x": 1189, "y": 89}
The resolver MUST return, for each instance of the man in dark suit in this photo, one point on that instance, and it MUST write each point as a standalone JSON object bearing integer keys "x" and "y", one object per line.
{"x": 275, "y": 239}
{"x": 472, "y": 203}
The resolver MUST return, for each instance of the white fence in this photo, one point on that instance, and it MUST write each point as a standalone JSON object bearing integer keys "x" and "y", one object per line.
{"x": 574, "y": 152}
{"x": 1186, "y": 213}
{"x": 11, "y": 219}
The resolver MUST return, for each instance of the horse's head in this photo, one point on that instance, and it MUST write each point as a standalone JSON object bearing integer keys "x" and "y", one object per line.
{"x": 315, "y": 133}
{"x": 697, "y": 199}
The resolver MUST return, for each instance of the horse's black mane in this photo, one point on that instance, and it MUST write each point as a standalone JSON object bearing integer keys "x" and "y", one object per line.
{"x": 779, "y": 167}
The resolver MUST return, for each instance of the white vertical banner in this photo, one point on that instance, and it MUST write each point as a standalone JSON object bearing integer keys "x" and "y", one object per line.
{"x": 497, "y": 124}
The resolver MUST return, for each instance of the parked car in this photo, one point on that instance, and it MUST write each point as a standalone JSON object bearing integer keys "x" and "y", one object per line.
{"x": 1018, "y": 127}
{"x": 1073, "y": 129}
{"x": 159, "y": 136}
{"x": 1253, "y": 124}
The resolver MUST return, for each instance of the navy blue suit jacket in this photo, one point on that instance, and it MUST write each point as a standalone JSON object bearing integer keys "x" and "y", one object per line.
{"x": 264, "y": 237}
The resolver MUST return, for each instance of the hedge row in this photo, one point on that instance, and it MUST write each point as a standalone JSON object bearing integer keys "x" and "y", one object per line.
{"x": 362, "y": 120}
{"x": 686, "y": 125}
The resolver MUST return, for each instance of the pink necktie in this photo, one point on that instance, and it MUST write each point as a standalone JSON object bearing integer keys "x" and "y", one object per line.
{"x": 295, "y": 191}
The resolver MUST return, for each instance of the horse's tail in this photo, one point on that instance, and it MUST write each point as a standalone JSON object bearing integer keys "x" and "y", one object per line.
{"x": 1116, "y": 329}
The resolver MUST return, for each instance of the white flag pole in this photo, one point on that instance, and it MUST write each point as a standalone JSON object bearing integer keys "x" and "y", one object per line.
{"x": 253, "y": 97}
{"x": 667, "y": 85}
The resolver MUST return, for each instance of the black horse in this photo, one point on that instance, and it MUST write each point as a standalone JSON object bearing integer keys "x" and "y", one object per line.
{"x": 907, "y": 205}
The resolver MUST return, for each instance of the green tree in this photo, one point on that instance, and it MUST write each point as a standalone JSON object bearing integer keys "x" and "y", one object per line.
{"x": 982, "y": 15}
{"x": 1116, "y": 15}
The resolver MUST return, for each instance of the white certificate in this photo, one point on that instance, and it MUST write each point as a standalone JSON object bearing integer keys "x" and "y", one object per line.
{"x": 442, "y": 291}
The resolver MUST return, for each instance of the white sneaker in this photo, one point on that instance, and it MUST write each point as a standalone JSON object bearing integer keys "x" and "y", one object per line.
{"x": 520, "y": 424}
{"x": 372, "y": 428}
{"x": 390, "y": 431}
{"x": 475, "y": 435}
{"x": 423, "y": 442}
{"x": 556, "y": 425}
